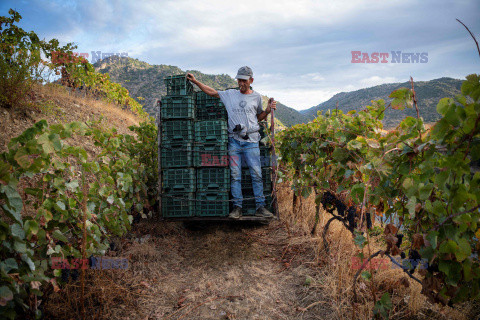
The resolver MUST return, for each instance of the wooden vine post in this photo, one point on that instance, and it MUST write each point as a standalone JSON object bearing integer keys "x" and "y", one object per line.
{"x": 274, "y": 162}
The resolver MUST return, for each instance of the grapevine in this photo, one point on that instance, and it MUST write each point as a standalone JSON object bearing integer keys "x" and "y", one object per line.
{"x": 420, "y": 180}
{"x": 54, "y": 173}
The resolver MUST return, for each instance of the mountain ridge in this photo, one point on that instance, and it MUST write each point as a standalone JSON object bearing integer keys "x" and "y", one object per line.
{"x": 428, "y": 94}
{"x": 145, "y": 83}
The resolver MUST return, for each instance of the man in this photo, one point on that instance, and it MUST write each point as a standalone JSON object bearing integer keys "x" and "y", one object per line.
{"x": 244, "y": 108}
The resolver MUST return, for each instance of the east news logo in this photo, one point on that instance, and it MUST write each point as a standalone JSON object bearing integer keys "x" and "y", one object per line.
{"x": 395, "y": 57}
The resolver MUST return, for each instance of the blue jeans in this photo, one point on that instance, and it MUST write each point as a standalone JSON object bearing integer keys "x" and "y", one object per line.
{"x": 250, "y": 152}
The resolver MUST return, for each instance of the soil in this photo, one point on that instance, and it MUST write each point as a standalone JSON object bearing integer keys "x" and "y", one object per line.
{"x": 222, "y": 271}
{"x": 229, "y": 271}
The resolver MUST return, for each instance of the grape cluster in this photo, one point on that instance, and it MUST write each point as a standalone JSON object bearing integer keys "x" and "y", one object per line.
{"x": 432, "y": 267}
{"x": 413, "y": 255}
{"x": 341, "y": 207}
{"x": 136, "y": 219}
{"x": 65, "y": 275}
{"x": 330, "y": 202}
{"x": 69, "y": 273}
{"x": 399, "y": 239}
{"x": 113, "y": 246}
{"x": 91, "y": 261}
{"x": 74, "y": 274}
{"x": 351, "y": 212}
{"x": 369, "y": 220}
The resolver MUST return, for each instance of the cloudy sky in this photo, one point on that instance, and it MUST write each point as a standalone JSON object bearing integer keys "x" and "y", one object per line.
{"x": 300, "y": 51}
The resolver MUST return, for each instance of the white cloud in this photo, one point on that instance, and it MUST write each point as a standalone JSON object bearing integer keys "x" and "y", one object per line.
{"x": 376, "y": 80}
{"x": 190, "y": 25}
{"x": 300, "y": 51}
{"x": 299, "y": 98}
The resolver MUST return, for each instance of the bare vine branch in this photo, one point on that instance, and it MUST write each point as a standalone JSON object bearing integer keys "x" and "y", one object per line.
{"x": 474, "y": 39}
{"x": 416, "y": 107}
{"x": 454, "y": 215}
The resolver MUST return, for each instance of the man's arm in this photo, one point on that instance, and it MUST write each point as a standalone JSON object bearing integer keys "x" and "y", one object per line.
{"x": 262, "y": 115}
{"x": 210, "y": 91}
{"x": 272, "y": 104}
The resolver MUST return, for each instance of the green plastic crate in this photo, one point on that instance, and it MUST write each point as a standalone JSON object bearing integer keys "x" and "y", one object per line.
{"x": 212, "y": 112}
{"x": 178, "y": 204}
{"x": 265, "y": 157}
{"x": 267, "y": 188}
{"x": 266, "y": 178}
{"x": 209, "y": 108}
{"x": 179, "y": 180}
{"x": 177, "y": 130}
{"x": 216, "y": 206}
{"x": 178, "y": 85}
{"x": 178, "y": 107}
{"x": 209, "y": 131}
{"x": 213, "y": 179}
{"x": 203, "y": 99}
{"x": 262, "y": 131}
{"x": 210, "y": 155}
{"x": 249, "y": 206}
{"x": 175, "y": 155}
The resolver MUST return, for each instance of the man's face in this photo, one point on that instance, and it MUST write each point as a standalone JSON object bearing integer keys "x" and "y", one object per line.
{"x": 244, "y": 84}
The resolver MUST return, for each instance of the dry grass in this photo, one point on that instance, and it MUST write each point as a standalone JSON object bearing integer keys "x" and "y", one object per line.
{"x": 334, "y": 279}
{"x": 221, "y": 272}
{"x": 241, "y": 272}
{"x": 57, "y": 104}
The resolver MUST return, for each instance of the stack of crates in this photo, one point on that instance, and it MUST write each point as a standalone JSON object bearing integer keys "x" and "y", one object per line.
{"x": 178, "y": 172}
{"x": 211, "y": 156}
{"x": 194, "y": 155}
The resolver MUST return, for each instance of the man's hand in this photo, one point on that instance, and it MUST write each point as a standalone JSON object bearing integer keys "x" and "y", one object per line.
{"x": 272, "y": 104}
{"x": 210, "y": 91}
{"x": 191, "y": 77}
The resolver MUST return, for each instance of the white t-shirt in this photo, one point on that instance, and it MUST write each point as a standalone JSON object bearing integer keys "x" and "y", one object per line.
{"x": 242, "y": 109}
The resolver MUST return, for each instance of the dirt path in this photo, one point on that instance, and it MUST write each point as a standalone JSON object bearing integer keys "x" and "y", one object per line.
{"x": 220, "y": 272}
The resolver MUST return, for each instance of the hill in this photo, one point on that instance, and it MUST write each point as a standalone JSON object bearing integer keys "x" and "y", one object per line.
{"x": 146, "y": 81}
{"x": 428, "y": 94}
{"x": 60, "y": 105}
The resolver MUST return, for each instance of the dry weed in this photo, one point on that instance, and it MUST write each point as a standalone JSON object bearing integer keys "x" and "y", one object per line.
{"x": 334, "y": 277}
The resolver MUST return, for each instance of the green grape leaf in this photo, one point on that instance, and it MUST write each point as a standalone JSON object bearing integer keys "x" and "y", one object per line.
{"x": 57, "y": 234}
{"x": 17, "y": 231}
{"x": 443, "y": 104}
{"x": 9, "y": 264}
{"x": 448, "y": 246}
{"x": 360, "y": 240}
{"x": 5, "y": 295}
{"x": 464, "y": 250}
{"x": 28, "y": 261}
{"x": 471, "y": 86}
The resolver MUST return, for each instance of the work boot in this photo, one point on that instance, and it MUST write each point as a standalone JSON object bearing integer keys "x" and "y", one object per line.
{"x": 263, "y": 212}
{"x": 235, "y": 213}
